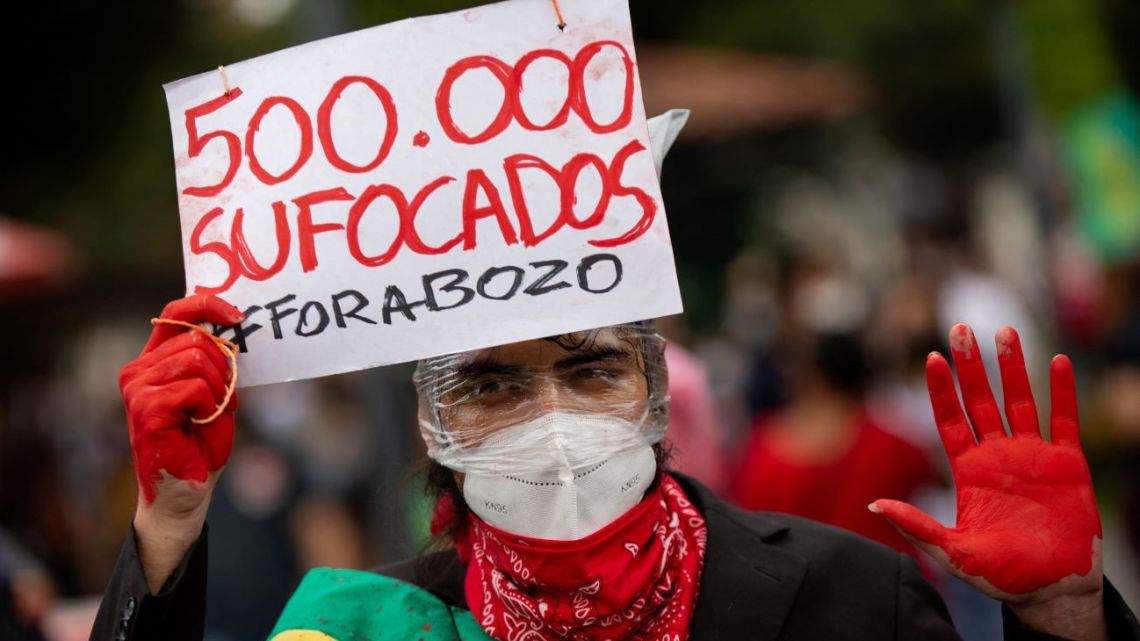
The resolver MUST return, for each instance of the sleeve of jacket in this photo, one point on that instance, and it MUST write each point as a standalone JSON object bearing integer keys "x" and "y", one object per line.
{"x": 920, "y": 611}
{"x": 1122, "y": 624}
{"x": 129, "y": 612}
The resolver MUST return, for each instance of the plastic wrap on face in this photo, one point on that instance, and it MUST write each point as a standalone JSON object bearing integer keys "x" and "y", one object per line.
{"x": 475, "y": 408}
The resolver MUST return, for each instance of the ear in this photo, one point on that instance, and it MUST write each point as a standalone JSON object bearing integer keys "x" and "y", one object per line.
{"x": 663, "y": 131}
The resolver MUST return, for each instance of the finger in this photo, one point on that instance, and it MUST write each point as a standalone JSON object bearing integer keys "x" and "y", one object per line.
{"x": 940, "y": 553}
{"x": 1064, "y": 426}
{"x": 184, "y": 341}
{"x": 216, "y": 440}
{"x": 976, "y": 394}
{"x": 181, "y": 343}
{"x": 141, "y": 365}
{"x": 192, "y": 396}
{"x": 912, "y": 522}
{"x": 193, "y": 362}
{"x": 175, "y": 454}
{"x": 952, "y": 425}
{"x": 197, "y": 357}
{"x": 233, "y": 405}
{"x": 1020, "y": 410}
{"x": 167, "y": 407}
{"x": 199, "y": 308}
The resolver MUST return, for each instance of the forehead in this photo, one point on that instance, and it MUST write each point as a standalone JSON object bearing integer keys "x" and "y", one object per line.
{"x": 548, "y": 351}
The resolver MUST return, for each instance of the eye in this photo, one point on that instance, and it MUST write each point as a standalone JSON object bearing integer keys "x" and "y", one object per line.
{"x": 491, "y": 388}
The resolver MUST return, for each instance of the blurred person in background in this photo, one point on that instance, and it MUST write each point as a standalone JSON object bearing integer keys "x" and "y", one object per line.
{"x": 315, "y": 480}
{"x": 256, "y": 553}
{"x": 904, "y": 329}
{"x": 821, "y": 456}
{"x": 27, "y": 592}
{"x": 1119, "y": 396}
{"x": 697, "y": 440}
{"x": 740, "y": 355}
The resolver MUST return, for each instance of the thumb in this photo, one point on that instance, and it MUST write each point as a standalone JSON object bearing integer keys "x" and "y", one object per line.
{"x": 913, "y": 523}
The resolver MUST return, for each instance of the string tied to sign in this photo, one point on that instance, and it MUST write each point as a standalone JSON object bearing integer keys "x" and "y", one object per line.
{"x": 228, "y": 347}
{"x": 225, "y": 80}
{"x": 558, "y": 14}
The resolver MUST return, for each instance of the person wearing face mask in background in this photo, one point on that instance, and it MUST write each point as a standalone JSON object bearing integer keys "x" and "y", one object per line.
{"x": 557, "y": 516}
{"x": 822, "y": 455}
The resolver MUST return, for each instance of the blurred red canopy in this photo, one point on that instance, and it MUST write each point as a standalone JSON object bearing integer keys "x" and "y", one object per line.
{"x": 33, "y": 259}
{"x": 735, "y": 92}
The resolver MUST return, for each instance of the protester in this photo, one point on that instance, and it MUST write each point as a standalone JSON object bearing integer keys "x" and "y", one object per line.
{"x": 822, "y": 456}
{"x": 697, "y": 437}
{"x": 565, "y": 523}
{"x": 26, "y": 592}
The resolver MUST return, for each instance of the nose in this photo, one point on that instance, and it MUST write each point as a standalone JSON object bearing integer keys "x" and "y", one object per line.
{"x": 548, "y": 395}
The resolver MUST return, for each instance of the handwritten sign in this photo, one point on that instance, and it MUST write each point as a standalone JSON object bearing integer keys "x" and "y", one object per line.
{"x": 425, "y": 187}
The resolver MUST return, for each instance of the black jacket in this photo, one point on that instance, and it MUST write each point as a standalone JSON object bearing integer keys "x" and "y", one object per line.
{"x": 766, "y": 577}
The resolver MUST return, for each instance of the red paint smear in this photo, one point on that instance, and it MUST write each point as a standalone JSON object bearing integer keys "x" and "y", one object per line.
{"x": 421, "y": 139}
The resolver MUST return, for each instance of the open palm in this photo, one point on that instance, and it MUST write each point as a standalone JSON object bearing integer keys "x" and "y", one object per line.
{"x": 1028, "y": 526}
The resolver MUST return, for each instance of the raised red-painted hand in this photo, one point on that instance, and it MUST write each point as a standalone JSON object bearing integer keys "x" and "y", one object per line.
{"x": 180, "y": 374}
{"x": 1028, "y": 526}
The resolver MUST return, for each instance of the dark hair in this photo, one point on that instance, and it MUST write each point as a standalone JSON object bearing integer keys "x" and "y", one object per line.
{"x": 840, "y": 362}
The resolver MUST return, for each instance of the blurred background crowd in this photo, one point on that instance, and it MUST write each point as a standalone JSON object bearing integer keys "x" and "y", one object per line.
{"x": 855, "y": 178}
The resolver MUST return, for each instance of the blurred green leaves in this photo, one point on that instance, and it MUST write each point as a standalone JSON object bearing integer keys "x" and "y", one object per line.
{"x": 90, "y": 151}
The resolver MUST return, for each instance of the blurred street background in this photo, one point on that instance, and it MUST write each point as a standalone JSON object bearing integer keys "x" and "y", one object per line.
{"x": 854, "y": 179}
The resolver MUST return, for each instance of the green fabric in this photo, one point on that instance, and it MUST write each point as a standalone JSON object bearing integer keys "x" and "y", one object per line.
{"x": 350, "y": 605}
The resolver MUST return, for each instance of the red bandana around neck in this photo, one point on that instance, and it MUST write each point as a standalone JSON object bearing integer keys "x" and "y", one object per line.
{"x": 635, "y": 579}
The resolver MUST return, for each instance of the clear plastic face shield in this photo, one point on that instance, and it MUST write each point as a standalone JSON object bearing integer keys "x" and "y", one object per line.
{"x": 609, "y": 381}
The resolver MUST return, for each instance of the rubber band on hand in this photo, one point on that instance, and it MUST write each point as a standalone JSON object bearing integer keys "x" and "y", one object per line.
{"x": 229, "y": 348}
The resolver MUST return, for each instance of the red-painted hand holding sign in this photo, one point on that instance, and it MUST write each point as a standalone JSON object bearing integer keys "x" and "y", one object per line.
{"x": 1028, "y": 528}
{"x": 180, "y": 406}
{"x": 179, "y": 376}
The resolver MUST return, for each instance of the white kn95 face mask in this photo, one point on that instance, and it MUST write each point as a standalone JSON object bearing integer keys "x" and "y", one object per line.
{"x": 576, "y": 487}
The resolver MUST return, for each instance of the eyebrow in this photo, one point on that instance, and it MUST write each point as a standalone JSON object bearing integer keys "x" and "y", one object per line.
{"x": 594, "y": 355}
{"x": 487, "y": 366}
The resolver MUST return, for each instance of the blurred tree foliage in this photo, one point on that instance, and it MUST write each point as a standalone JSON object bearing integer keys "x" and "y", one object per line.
{"x": 1069, "y": 49}
{"x": 89, "y": 142}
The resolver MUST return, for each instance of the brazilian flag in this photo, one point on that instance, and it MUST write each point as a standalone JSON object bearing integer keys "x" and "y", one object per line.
{"x": 351, "y": 605}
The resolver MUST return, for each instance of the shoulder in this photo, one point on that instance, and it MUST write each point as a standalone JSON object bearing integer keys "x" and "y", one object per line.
{"x": 859, "y": 584}
{"x": 440, "y": 573}
{"x": 816, "y": 581}
{"x": 820, "y": 544}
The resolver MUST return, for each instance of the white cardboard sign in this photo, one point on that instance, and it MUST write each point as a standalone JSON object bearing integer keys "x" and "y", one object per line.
{"x": 425, "y": 187}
